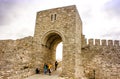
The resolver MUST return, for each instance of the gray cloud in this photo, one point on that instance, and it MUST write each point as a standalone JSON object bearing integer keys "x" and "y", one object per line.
{"x": 9, "y": 10}
{"x": 113, "y": 8}
{"x": 5, "y": 10}
{"x": 113, "y": 33}
{"x": 13, "y": 17}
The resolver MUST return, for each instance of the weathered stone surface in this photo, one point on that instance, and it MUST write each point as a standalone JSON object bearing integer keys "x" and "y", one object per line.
{"x": 15, "y": 58}
{"x": 95, "y": 60}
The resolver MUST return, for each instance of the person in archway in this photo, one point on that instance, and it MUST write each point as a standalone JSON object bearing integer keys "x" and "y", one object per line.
{"x": 56, "y": 64}
{"x": 49, "y": 68}
{"x": 37, "y": 71}
{"x": 45, "y": 68}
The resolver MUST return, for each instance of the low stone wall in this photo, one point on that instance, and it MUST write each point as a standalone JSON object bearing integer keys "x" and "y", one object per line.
{"x": 101, "y": 62}
{"x": 15, "y": 58}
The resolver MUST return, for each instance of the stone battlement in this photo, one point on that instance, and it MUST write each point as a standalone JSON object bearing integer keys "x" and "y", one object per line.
{"x": 102, "y": 42}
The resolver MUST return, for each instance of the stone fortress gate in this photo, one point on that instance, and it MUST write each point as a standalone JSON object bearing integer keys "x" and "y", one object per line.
{"x": 60, "y": 25}
{"x": 97, "y": 59}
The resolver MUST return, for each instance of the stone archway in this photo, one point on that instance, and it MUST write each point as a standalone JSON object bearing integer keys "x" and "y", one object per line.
{"x": 50, "y": 40}
{"x": 56, "y": 25}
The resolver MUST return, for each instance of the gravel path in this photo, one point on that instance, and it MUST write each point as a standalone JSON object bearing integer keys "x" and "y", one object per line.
{"x": 54, "y": 75}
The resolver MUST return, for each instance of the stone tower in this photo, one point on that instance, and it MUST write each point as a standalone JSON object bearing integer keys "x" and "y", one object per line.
{"x": 60, "y": 25}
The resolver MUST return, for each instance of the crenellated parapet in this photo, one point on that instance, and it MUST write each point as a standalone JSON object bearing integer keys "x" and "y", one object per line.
{"x": 116, "y": 43}
{"x": 90, "y": 42}
{"x": 101, "y": 42}
{"x": 110, "y": 43}
{"x": 104, "y": 42}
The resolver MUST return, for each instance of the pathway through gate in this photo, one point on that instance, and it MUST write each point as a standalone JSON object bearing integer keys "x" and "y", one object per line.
{"x": 54, "y": 75}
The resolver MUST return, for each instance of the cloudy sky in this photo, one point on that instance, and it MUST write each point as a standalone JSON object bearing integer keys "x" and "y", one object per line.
{"x": 101, "y": 18}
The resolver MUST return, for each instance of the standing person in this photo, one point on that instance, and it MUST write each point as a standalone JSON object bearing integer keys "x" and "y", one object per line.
{"x": 49, "y": 69}
{"x": 45, "y": 68}
{"x": 56, "y": 64}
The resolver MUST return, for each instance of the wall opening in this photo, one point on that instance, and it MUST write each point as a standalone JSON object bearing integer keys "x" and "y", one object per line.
{"x": 52, "y": 50}
{"x": 59, "y": 50}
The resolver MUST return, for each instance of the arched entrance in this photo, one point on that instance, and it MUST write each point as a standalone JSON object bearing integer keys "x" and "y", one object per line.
{"x": 50, "y": 41}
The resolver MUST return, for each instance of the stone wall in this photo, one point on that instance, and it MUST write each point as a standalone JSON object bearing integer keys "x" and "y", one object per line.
{"x": 101, "y": 61}
{"x": 16, "y": 58}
